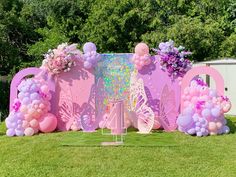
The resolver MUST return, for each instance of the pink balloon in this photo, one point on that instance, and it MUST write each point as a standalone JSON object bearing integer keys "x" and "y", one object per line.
{"x": 136, "y": 61}
{"x": 141, "y": 49}
{"x": 193, "y": 92}
{"x": 36, "y": 130}
{"x": 147, "y": 62}
{"x": 34, "y": 123}
{"x": 29, "y": 131}
{"x": 212, "y": 126}
{"x": 25, "y": 124}
{"x": 219, "y": 125}
{"x": 31, "y": 111}
{"x": 45, "y": 89}
{"x": 47, "y": 123}
{"x": 138, "y": 67}
{"x": 141, "y": 63}
{"x": 226, "y": 107}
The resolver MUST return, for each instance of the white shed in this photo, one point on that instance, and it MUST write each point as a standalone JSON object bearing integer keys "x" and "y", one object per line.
{"x": 227, "y": 68}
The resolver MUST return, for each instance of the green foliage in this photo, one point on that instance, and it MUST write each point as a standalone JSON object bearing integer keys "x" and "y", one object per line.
{"x": 28, "y": 28}
{"x": 228, "y": 47}
{"x": 53, "y": 36}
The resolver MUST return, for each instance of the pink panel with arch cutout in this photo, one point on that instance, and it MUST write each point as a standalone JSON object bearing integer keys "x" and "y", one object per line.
{"x": 17, "y": 80}
{"x": 203, "y": 70}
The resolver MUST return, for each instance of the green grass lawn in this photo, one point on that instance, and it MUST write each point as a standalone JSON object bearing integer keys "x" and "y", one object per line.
{"x": 80, "y": 154}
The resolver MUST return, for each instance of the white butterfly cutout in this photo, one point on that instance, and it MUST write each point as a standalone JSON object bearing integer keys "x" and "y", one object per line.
{"x": 142, "y": 115}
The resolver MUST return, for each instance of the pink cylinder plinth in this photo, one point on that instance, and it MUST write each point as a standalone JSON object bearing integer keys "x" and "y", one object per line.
{"x": 117, "y": 116}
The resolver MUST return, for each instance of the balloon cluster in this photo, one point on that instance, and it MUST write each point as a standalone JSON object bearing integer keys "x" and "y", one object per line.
{"x": 203, "y": 112}
{"x": 30, "y": 110}
{"x": 91, "y": 57}
{"x": 173, "y": 60}
{"x": 141, "y": 56}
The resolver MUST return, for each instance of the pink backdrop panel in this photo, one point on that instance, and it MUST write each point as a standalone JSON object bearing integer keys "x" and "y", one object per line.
{"x": 155, "y": 80}
{"x": 73, "y": 96}
{"x": 203, "y": 70}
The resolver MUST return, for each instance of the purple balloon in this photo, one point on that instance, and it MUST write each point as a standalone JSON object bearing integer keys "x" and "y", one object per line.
{"x": 195, "y": 117}
{"x": 87, "y": 65}
{"x": 203, "y": 130}
{"x": 10, "y": 132}
{"x": 199, "y": 134}
{"x": 197, "y": 129}
{"x": 8, "y": 123}
{"x": 19, "y": 115}
{"x": 34, "y": 96}
{"x": 226, "y": 129}
{"x": 184, "y": 121}
{"x": 215, "y": 112}
{"x": 89, "y": 46}
{"x": 213, "y": 93}
{"x": 206, "y": 113}
{"x": 19, "y": 132}
{"x": 188, "y": 111}
{"x": 26, "y": 101}
{"x": 191, "y": 131}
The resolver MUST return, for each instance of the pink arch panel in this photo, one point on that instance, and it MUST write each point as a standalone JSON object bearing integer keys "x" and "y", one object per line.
{"x": 17, "y": 80}
{"x": 203, "y": 70}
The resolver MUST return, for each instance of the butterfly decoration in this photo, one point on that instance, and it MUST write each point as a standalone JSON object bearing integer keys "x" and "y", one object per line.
{"x": 69, "y": 111}
{"x": 91, "y": 117}
{"x": 141, "y": 115}
{"x": 168, "y": 111}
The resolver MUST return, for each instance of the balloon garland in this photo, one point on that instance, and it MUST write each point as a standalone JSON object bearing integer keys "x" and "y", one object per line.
{"x": 203, "y": 112}
{"x": 141, "y": 56}
{"x": 91, "y": 57}
{"x": 30, "y": 109}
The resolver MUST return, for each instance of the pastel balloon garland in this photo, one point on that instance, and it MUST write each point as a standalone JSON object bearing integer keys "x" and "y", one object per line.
{"x": 30, "y": 110}
{"x": 203, "y": 112}
{"x": 90, "y": 57}
{"x": 141, "y": 56}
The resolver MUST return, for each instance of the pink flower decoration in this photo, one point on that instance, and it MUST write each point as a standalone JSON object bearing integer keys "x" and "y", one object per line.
{"x": 16, "y": 105}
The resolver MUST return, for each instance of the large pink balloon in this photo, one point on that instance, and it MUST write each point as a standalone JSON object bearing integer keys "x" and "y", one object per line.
{"x": 141, "y": 49}
{"x": 47, "y": 123}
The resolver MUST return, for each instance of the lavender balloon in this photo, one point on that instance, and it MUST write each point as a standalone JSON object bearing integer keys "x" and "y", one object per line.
{"x": 91, "y": 57}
